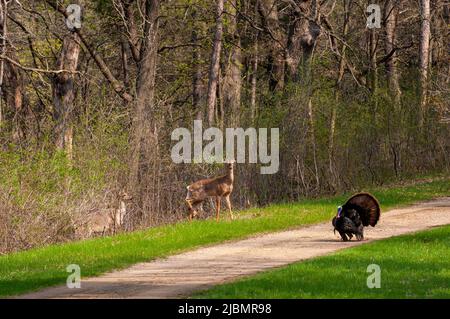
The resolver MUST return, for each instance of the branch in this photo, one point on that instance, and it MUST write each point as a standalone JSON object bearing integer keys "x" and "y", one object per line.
{"x": 164, "y": 48}
{"x": 117, "y": 85}
{"x": 388, "y": 56}
{"x": 26, "y": 68}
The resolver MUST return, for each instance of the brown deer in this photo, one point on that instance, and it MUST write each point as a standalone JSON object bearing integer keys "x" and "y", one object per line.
{"x": 217, "y": 187}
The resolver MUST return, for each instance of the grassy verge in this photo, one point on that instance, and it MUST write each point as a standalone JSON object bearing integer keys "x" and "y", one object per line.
{"x": 43, "y": 267}
{"x": 412, "y": 266}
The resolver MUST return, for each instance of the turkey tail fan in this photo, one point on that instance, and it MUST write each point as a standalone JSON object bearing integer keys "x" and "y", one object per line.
{"x": 370, "y": 208}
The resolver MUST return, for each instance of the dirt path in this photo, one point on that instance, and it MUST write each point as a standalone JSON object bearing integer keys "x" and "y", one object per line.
{"x": 182, "y": 274}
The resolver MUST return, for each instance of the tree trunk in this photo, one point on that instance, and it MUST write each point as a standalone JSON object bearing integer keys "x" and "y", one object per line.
{"x": 125, "y": 67}
{"x": 394, "y": 132}
{"x": 391, "y": 11}
{"x": 144, "y": 141}
{"x": 12, "y": 87}
{"x": 302, "y": 37}
{"x": 340, "y": 76}
{"x": 64, "y": 92}
{"x": 277, "y": 55}
{"x": 215, "y": 63}
{"x": 423, "y": 57}
{"x": 313, "y": 142}
{"x": 15, "y": 99}
{"x": 232, "y": 81}
{"x": 3, "y": 31}
{"x": 254, "y": 77}
{"x": 373, "y": 71}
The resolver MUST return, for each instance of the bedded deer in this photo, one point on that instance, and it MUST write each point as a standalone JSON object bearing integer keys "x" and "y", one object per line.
{"x": 110, "y": 220}
{"x": 217, "y": 187}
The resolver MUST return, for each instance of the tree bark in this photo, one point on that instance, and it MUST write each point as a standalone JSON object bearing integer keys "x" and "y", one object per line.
{"x": 215, "y": 63}
{"x": 64, "y": 92}
{"x": 425, "y": 35}
{"x": 125, "y": 66}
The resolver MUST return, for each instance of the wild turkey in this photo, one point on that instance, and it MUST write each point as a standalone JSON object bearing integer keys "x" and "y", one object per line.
{"x": 360, "y": 210}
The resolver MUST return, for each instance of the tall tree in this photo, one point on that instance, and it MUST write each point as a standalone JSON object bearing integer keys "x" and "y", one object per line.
{"x": 3, "y": 30}
{"x": 64, "y": 92}
{"x": 143, "y": 135}
{"x": 232, "y": 81}
{"x": 196, "y": 68}
{"x": 268, "y": 10}
{"x": 391, "y": 12}
{"x": 339, "y": 78}
{"x": 424, "y": 53}
{"x": 215, "y": 63}
{"x": 254, "y": 79}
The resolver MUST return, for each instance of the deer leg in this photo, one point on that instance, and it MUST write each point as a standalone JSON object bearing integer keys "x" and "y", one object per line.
{"x": 217, "y": 208}
{"x": 228, "y": 202}
{"x": 190, "y": 208}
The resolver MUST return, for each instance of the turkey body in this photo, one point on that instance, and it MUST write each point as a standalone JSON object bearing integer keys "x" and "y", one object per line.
{"x": 360, "y": 210}
{"x": 347, "y": 228}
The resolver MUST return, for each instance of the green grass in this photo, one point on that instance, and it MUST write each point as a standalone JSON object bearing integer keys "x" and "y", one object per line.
{"x": 42, "y": 267}
{"x": 412, "y": 266}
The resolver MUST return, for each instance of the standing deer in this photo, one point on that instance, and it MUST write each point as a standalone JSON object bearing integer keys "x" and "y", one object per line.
{"x": 217, "y": 187}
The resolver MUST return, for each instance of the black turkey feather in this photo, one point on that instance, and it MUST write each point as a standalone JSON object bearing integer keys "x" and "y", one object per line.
{"x": 360, "y": 210}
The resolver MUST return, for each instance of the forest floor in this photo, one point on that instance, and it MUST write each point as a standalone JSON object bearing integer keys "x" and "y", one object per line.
{"x": 183, "y": 274}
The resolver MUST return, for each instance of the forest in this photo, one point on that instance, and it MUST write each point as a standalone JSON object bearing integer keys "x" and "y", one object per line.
{"x": 92, "y": 90}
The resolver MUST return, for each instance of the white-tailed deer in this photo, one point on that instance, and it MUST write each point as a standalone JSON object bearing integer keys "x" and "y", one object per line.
{"x": 109, "y": 221}
{"x": 217, "y": 187}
